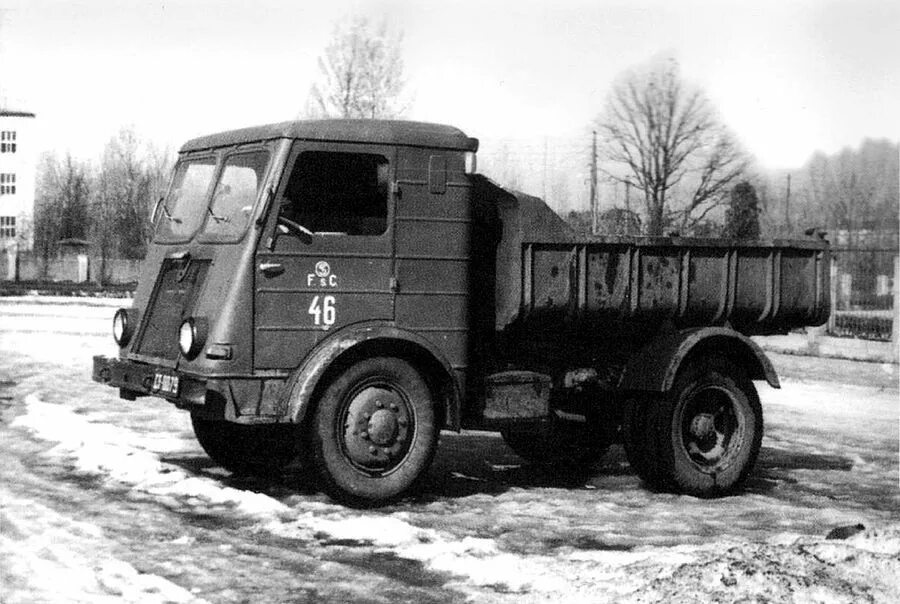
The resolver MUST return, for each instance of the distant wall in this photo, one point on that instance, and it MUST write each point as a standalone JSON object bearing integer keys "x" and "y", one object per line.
{"x": 66, "y": 267}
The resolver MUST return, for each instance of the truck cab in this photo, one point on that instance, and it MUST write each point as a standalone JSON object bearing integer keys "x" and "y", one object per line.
{"x": 280, "y": 249}
{"x": 345, "y": 289}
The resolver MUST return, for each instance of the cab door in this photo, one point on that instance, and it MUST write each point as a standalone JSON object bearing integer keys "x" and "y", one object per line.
{"x": 326, "y": 256}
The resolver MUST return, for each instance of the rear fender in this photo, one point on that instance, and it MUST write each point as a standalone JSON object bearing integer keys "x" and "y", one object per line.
{"x": 368, "y": 339}
{"x": 655, "y": 366}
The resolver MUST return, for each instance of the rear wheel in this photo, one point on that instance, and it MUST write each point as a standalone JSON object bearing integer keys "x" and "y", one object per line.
{"x": 374, "y": 432}
{"x": 704, "y": 437}
{"x": 242, "y": 449}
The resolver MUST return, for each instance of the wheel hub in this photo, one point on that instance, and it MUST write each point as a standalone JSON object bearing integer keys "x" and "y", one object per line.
{"x": 709, "y": 429}
{"x": 377, "y": 431}
{"x": 703, "y": 426}
{"x": 383, "y": 427}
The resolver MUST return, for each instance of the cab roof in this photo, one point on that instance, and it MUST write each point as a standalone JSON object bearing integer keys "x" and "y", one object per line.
{"x": 385, "y": 132}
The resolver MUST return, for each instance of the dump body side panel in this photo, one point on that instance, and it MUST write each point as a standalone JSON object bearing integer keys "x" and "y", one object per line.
{"x": 757, "y": 289}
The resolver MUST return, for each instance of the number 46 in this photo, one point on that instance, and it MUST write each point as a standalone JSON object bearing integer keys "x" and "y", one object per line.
{"x": 324, "y": 313}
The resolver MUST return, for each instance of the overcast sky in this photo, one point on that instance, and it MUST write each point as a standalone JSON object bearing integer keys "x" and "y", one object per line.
{"x": 788, "y": 76}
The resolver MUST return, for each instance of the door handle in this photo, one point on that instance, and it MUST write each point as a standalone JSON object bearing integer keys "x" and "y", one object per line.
{"x": 271, "y": 268}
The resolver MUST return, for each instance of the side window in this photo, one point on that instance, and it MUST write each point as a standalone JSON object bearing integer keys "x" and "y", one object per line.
{"x": 338, "y": 193}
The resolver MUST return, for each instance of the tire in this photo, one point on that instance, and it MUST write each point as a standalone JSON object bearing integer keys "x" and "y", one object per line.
{"x": 374, "y": 432}
{"x": 707, "y": 431}
{"x": 241, "y": 449}
{"x": 559, "y": 443}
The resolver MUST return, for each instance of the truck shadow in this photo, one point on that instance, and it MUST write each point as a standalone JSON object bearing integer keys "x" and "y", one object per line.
{"x": 470, "y": 464}
{"x": 775, "y": 466}
{"x": 293, "y": 480}
{"x": 481, "y": 463}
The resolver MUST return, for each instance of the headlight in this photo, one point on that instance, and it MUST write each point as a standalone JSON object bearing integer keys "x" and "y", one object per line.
{"x": 123, "y": 326}
{"x": 191, "y": 336}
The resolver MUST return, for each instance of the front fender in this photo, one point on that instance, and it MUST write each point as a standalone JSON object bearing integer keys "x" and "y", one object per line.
{"x": 307, "y": 377}
{"x": 655, "y": 366}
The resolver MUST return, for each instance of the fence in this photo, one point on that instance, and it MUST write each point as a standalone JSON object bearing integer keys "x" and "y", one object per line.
{"x": 74, "y": 268}
{"x": 864, "y": 293}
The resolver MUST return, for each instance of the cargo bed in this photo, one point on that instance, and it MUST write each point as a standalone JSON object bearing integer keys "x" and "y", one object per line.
{"x": 544, "y": 273}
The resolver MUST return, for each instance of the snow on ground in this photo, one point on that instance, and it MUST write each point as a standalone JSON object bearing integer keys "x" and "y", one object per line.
{"x": 47, "y": 557}
{"x": 498, "y": 529}
{"x": 783, "y": 566}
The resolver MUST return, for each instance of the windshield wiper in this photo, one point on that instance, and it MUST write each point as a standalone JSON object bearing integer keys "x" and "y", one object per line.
{"x": 218, "y": 219}
{"x": 166, "y": 213}
{"x": 169, "y": 216}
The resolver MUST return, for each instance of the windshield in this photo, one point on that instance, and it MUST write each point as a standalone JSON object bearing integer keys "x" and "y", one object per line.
{"x": 234, "y": 196}
{"x": 182, "y": 212}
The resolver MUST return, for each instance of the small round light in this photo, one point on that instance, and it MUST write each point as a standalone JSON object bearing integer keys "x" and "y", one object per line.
{"x": 192, "y": 336}
{"x": 122, "y": 327}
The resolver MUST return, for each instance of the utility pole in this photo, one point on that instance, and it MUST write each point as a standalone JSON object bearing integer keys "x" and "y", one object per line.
{"x": 787, "y": 206}
{"x": 544, "y": 179}
{"x": 594, "y": 185}
{"x": 628, "y": 196}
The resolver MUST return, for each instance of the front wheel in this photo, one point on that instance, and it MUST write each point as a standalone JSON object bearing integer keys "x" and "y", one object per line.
{"x": 703, "y": 438}
{"x": 374, "y": 432}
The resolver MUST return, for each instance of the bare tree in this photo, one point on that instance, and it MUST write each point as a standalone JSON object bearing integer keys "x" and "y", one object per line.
{"x": 665, "y": 140}
{"x": 855, "y": 192}
{"x": 127, "y": 184}
{"x": 130, "y": 179}
{"x": 361, "y": 74}
{"x": 104, "y": 206}
{"x": 61, "y": 203}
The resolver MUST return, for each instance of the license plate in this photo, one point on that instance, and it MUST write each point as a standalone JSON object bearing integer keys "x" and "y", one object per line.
{"x": 165, "y": 384}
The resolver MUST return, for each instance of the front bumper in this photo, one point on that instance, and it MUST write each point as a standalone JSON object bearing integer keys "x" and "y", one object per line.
{"x": 246, "y": 400}
{"x": 135, "y": 379}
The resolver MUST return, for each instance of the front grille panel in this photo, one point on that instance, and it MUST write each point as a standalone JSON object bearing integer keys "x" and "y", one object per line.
{"x": 176, "y": 290}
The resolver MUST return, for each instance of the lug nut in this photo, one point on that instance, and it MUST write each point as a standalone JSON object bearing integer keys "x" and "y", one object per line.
{"x": 373, "y": 450}
{"x": 379, "y": 404}
{"x": 402, "y": 421}
{"x": 394, "y": 407}
{"x": 386, "y": 451}
{"x": 364, "y": 434}
{"x": 367, "y": 416}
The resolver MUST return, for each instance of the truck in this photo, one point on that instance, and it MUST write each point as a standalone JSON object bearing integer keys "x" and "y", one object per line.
{"x": 341, "y": 291}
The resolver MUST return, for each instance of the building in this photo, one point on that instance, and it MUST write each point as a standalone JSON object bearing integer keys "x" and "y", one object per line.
{"x": 17, "y": 173}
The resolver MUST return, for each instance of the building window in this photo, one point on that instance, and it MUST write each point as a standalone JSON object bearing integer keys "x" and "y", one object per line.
{"x": 7, "y": 227}
{"x": 7, "y": 184}
{"x": 8, "y": 141}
